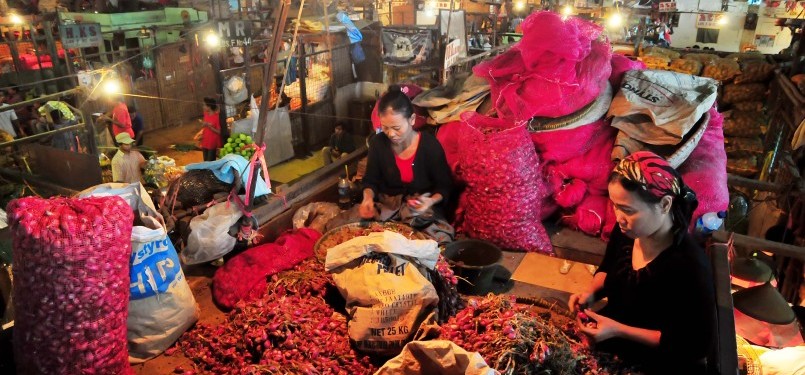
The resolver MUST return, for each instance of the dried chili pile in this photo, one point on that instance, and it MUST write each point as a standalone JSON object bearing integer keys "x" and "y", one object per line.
{"x": 511, "y": 337}
{"x": 290, "y": 330}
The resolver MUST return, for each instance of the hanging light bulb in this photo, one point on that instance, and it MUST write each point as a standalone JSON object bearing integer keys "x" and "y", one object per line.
{"x": 15, "y": 19}
{"x": 212, "y": 40}
{"x": 723, "y": 20}
{"x": 615, "y": 20}
{"x": 111, "y": 86}
{"x": 520, "y": 5}
{"x": 567, "y": 10}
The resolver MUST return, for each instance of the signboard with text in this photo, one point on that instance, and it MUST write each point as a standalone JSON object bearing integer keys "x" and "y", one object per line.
{"x": 235, "y": 33}
{"x": 669, "y": 6}
{"x": 708, "y": 21}
{"x": 81, "y": 35}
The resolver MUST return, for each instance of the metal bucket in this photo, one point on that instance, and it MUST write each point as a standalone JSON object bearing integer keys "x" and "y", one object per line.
{"x": 473, "y": 261}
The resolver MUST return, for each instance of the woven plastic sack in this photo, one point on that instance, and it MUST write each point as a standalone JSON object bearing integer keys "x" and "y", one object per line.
{"x": 209, "y": 233}
{"x": 686, "y": 66}
{"x": 743, "y": 124}
{"x": 554, "y": 70}
{"x": 749, "y": 106}
{"x": 504, "y": 185}
{"x": 755, "y": 72}
{"x": 721, "y": 69}
{"x": 71, "y": 284}
{"x": 741, "y": 147}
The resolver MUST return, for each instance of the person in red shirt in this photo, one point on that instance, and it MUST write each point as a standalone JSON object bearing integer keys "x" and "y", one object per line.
{"x": 210, "y": 133}
{"x": 118, "y": 116}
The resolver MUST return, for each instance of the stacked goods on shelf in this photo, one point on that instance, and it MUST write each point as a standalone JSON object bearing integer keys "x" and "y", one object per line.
{"x": 745, "y": 124}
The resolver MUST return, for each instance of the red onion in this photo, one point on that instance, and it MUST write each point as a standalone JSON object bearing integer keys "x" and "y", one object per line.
{"x": 71, "y": 289}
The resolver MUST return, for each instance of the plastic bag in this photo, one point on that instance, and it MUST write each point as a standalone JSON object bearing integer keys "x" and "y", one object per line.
{"x": 315, "y": 215}
{"x": 382, "y": 277}
{"x": 209, "y": 234}
{"x": 161, "y": 306}
{"x": 498, "y": 162}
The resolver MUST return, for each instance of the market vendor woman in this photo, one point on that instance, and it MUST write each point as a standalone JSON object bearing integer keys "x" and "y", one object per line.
{"x": 405, "y": 167}
{"x": 660, "y": 310}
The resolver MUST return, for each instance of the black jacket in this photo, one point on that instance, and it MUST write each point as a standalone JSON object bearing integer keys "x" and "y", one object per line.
{"x": 431, "y": 172}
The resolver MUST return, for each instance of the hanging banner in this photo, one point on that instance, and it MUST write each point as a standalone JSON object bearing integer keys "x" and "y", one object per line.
{"x": 81, "y": 35}
{"x": 406, "y": 47}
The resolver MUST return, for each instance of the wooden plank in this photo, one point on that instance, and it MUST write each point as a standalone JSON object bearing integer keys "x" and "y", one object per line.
{"x": 725, "y": 353}
{"x": 576, "y": 246}
{"x": 66, "y": 168}
{"x": 755, "y": 243}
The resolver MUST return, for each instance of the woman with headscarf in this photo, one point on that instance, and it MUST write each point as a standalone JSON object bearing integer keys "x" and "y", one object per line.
{"x": 660, "y": 312}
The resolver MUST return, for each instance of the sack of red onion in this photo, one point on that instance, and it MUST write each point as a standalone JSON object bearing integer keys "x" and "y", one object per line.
{"x": 161, "y": 306}
{"x": 501, "y": 168}
{"x": 71, "y": 292}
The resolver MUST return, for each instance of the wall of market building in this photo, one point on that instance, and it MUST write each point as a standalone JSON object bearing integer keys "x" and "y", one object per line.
{"x": 733, "y": 36}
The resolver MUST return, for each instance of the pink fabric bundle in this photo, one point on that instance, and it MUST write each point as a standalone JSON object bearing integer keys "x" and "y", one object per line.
{"x": 411, "y": 91}
{"x": 553, "y": 71}
{"x": 504, "y": 185}
{"x": 620, "y": 65}
{"x": 244, "y": 276}
{"x": 705, "y": 170}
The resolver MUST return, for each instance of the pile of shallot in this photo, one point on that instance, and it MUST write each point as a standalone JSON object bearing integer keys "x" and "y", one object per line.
{"x": 71, "y": 284}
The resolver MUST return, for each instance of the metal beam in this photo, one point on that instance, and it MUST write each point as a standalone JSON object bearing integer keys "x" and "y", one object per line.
{"x": 755, "y": 243}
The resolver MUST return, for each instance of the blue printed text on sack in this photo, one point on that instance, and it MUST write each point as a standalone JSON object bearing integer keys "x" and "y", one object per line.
{"x": 154, "y": 268}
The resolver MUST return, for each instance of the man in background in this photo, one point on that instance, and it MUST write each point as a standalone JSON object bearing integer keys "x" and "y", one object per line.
{"x": 341, "y": 144}
{"x": 136, "y": 125}
{"x": 127, "y": 164}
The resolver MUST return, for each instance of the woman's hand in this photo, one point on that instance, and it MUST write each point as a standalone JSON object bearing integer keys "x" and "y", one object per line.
{"x": 601, "y": 328}
{"x": 422, "y": 203}
{"x": 367, "y": 209}
{"x": 580, "y": 299}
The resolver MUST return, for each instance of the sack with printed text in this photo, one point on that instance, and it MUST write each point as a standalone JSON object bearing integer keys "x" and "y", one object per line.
{"x": 161, "y": 306}
{"x": 382, "y": 278}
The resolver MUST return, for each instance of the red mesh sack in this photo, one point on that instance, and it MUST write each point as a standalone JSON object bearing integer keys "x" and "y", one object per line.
{"x": 590, "y": 216}
{"x": 594, "y": 166}
{"x": 71, "y": 284}
{"x": 504, "y": 186}
{"x": 620, "y": 65}
{"x": 448, "y": 135}
{"x": 559, "y": 146}
{"x": 555, "y": 70}
{"x": 244, "y": 276}
{"x": 705, "y": 170}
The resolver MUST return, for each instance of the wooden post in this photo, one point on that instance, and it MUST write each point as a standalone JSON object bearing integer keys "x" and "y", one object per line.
{"x": 302, "y": 73}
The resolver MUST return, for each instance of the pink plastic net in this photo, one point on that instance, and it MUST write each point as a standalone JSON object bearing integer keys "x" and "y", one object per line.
{"x": 71, "y": 284}
{"x": 501, "y": 169}
{"x": 244, "y": 276}
{"x": 555, "y": 70}
{"x": 620, "y": 65}
{"x": 705, "y": 170}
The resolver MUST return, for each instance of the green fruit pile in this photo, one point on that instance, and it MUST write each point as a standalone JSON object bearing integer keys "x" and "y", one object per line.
{"x": 238, "y": 144}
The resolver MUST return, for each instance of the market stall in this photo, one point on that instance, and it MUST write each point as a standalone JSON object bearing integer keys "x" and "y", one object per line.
{"x": 536, "y": 129}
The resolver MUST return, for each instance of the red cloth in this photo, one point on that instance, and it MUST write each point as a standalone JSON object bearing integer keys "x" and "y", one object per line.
{"x": 244, "y": 276}
{"x": 555, "y": 70}
{"x": 406, "y": 168}
{"x": 121, "y": 114}
{"x": 705, "y": 170}
{"x": 620, "y": 65}
{"x": 209, "y": 139}
{"x": 421, "y": 113}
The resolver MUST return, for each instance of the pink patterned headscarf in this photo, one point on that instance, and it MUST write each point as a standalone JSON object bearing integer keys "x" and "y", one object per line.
{"x": 652, "y": 172}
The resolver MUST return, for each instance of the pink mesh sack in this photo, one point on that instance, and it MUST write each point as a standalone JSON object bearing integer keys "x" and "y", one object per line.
{"x": 555, "y": 70}
{"x": 501, "y": 169}
{"x": 71, "y": 284}
{"x": 705, "y": 170}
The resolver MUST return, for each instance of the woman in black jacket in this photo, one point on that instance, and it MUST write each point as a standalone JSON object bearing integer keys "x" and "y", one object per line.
{"x": 404, "y": 162}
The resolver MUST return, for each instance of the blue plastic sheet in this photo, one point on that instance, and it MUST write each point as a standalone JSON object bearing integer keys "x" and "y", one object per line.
{"x": 224, "y": 169}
